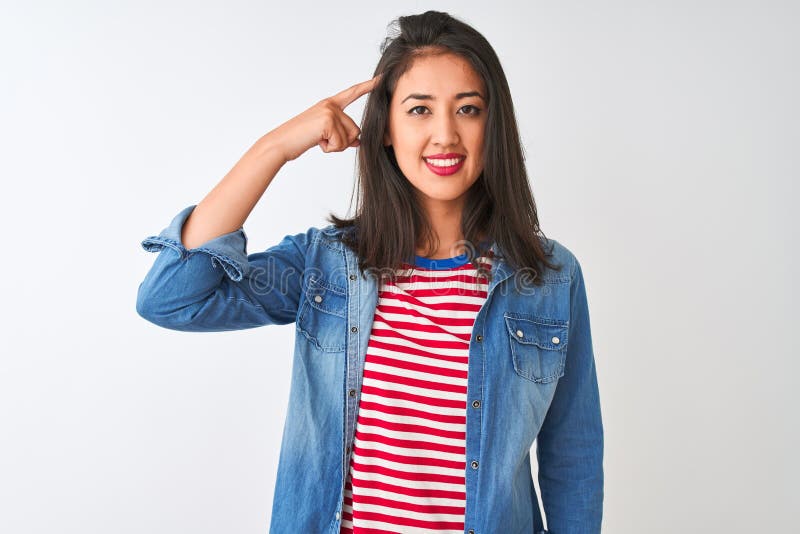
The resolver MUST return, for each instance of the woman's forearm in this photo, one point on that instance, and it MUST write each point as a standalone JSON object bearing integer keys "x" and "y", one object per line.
{"x": 226, "y": 207}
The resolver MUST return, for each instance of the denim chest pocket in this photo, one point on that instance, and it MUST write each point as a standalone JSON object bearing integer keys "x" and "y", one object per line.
{"x": 538, "y": 346}
{"x": 322, "y": 317}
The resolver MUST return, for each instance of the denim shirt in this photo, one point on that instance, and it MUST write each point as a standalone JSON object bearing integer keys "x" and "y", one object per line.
{"x": 531, "y": 373}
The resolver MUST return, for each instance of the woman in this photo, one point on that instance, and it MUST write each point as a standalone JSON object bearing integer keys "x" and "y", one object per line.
{"x": 439, "y": 333}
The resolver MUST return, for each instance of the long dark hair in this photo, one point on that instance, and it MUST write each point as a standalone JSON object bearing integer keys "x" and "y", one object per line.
{"x": 389, "y": 222}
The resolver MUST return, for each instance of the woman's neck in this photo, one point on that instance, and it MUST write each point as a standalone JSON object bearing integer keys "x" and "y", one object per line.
{"x": 445, "y": 221}
{"x": 450, "y": 238}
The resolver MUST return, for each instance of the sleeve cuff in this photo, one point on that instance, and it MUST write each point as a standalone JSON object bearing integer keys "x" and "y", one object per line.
{"x": 228, "y": 250}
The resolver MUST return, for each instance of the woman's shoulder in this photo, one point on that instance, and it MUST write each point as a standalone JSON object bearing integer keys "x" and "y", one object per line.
{"x": 334, "y": 231}
{"x": 556, "y": 247}
{"x": 315, "y": 233}
{"x": 559, "y": 253}
{"x": 314, "y": 237}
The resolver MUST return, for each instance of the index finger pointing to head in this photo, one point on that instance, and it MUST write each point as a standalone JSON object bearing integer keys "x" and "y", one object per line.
{"x": 353, "y": 93}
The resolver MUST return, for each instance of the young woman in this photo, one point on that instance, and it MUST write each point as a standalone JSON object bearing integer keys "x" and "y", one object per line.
{"x": 438, "y": 332}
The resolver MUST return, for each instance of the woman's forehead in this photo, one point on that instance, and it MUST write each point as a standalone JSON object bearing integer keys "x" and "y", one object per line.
{"x": 442, "y": 76}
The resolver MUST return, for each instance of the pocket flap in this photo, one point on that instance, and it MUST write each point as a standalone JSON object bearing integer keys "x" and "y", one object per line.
{"x": 326, "y": 297}
{"x": 548, "y": 334}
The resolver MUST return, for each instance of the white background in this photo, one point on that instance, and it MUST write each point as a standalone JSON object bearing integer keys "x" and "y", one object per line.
{"x": 662, "y": 144}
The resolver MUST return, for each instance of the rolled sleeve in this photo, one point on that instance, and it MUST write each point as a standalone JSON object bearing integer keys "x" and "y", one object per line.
{"x": 228, "y": 250}
{"x": 570, "y": 443}
{"x": 217, "y": 286}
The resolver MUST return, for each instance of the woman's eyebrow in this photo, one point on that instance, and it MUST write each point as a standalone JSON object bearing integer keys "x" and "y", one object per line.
{"x": 431, "y": 97}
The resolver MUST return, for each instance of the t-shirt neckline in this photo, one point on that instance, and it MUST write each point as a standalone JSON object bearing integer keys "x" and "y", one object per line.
{"x": 440, "y": 264}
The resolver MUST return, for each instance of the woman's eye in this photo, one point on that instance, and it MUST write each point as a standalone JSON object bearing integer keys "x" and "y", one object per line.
{"x": 474, "y": 110}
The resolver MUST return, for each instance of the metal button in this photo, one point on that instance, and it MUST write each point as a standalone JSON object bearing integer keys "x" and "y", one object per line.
{"x": 474, "y": 464}
{"x": 476, "y": 403}
{"x": 471, "y": 531}
{"x": 317, "y": 299}
{"x": 352, "y": 277}
{"x": 519, "y": 333}
{"x": 479, "y": 338}
{"x": 352, "y": 392}
{"x": 556, "y": 340}
{"x": 347, "y": 449}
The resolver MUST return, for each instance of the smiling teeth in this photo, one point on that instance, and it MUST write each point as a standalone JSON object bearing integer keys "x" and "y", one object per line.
{"x": 443, "y": 162}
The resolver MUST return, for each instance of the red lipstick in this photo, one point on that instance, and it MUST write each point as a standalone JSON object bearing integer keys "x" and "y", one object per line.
{"x": 457, "y": 161}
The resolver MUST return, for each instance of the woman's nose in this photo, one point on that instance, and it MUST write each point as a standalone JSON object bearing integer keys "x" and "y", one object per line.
{"x": 445, "y": 131}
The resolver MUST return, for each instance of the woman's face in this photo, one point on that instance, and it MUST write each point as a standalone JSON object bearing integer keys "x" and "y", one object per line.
{"x": 438, "y": 111}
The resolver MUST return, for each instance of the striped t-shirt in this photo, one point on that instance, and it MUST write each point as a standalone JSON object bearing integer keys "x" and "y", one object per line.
{"x": 407, "y": 470}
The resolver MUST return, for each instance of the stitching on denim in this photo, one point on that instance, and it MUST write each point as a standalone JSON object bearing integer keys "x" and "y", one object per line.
{"x": 236, "y": 272}
{"x": 152, "y": 241}
{"x": 315, "y": 342}
{"x": 224, "y": 260}
{"x": 518, "y": 354}
{"x": 574, "y": 270}
{"x": 539, "y": 322}
{"x": 313, "y": 280}
{"x": 237, "y": 299}
{"x": 306, "y": 306}
{"x": 328, "y": 309}
{"x": 556, "y": 280}
{"x": 538, "y": 319}
{"x": 325, "y": 240}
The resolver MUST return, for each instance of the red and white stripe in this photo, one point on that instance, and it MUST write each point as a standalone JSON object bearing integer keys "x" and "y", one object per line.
{"x": 407, "y": 472}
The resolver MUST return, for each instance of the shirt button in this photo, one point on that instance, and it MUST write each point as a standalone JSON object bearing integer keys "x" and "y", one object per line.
{"x": 474, "y": 464}
{"x": 476, "y": 403}
{"x": 317, "y": 299}
{"x": 556, "y": 340}
{"x": 352, "y": 277}
{"x": 337, "y": 515}
{"x": 352, "y": 392}
{"x": 354, "y": 329}
{"x": 347, "y": 449}
{"x": 479, "y": 338}
{"x": 519, "y": 333}
{"x": 471, "y": 531}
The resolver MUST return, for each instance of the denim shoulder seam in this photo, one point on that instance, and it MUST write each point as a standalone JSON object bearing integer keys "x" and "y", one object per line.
{"x": 574, "y": 270}
{"x": 326, "y": 240}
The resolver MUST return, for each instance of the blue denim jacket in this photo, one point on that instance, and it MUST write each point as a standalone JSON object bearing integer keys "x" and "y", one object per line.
{"x": 531, "y": 374}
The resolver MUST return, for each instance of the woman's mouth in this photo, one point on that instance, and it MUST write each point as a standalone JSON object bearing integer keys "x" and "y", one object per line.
{"x": 444, "y": 167}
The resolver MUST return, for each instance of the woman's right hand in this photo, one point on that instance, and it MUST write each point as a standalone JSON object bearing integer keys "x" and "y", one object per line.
{"x": 324, "y": 124}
